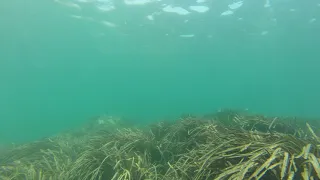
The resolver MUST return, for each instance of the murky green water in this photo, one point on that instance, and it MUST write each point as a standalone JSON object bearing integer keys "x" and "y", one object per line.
{"x": 63, "y": 62}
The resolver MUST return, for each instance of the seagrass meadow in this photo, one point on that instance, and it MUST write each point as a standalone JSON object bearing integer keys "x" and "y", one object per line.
{"x": 224, "y": 145}
{"x": 144, "y": 63}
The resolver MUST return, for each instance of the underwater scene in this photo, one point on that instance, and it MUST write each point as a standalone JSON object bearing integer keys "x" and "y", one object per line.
{"x": 160, "y": 90}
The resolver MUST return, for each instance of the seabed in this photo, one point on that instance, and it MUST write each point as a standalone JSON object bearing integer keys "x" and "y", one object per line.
{"x": 220, "y": 146}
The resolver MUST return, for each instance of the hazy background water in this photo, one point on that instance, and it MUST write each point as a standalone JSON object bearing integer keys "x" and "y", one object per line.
{"x": 62, "y": 62}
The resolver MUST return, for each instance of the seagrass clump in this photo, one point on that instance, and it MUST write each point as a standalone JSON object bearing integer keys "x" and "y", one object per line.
{"x": 223, "y": 145}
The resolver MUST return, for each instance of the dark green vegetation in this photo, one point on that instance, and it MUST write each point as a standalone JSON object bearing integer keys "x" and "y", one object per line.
{"x": 224, "y": 145}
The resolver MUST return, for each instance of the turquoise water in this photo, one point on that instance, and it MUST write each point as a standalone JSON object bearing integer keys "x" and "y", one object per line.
{"x": 63, "y": 62}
